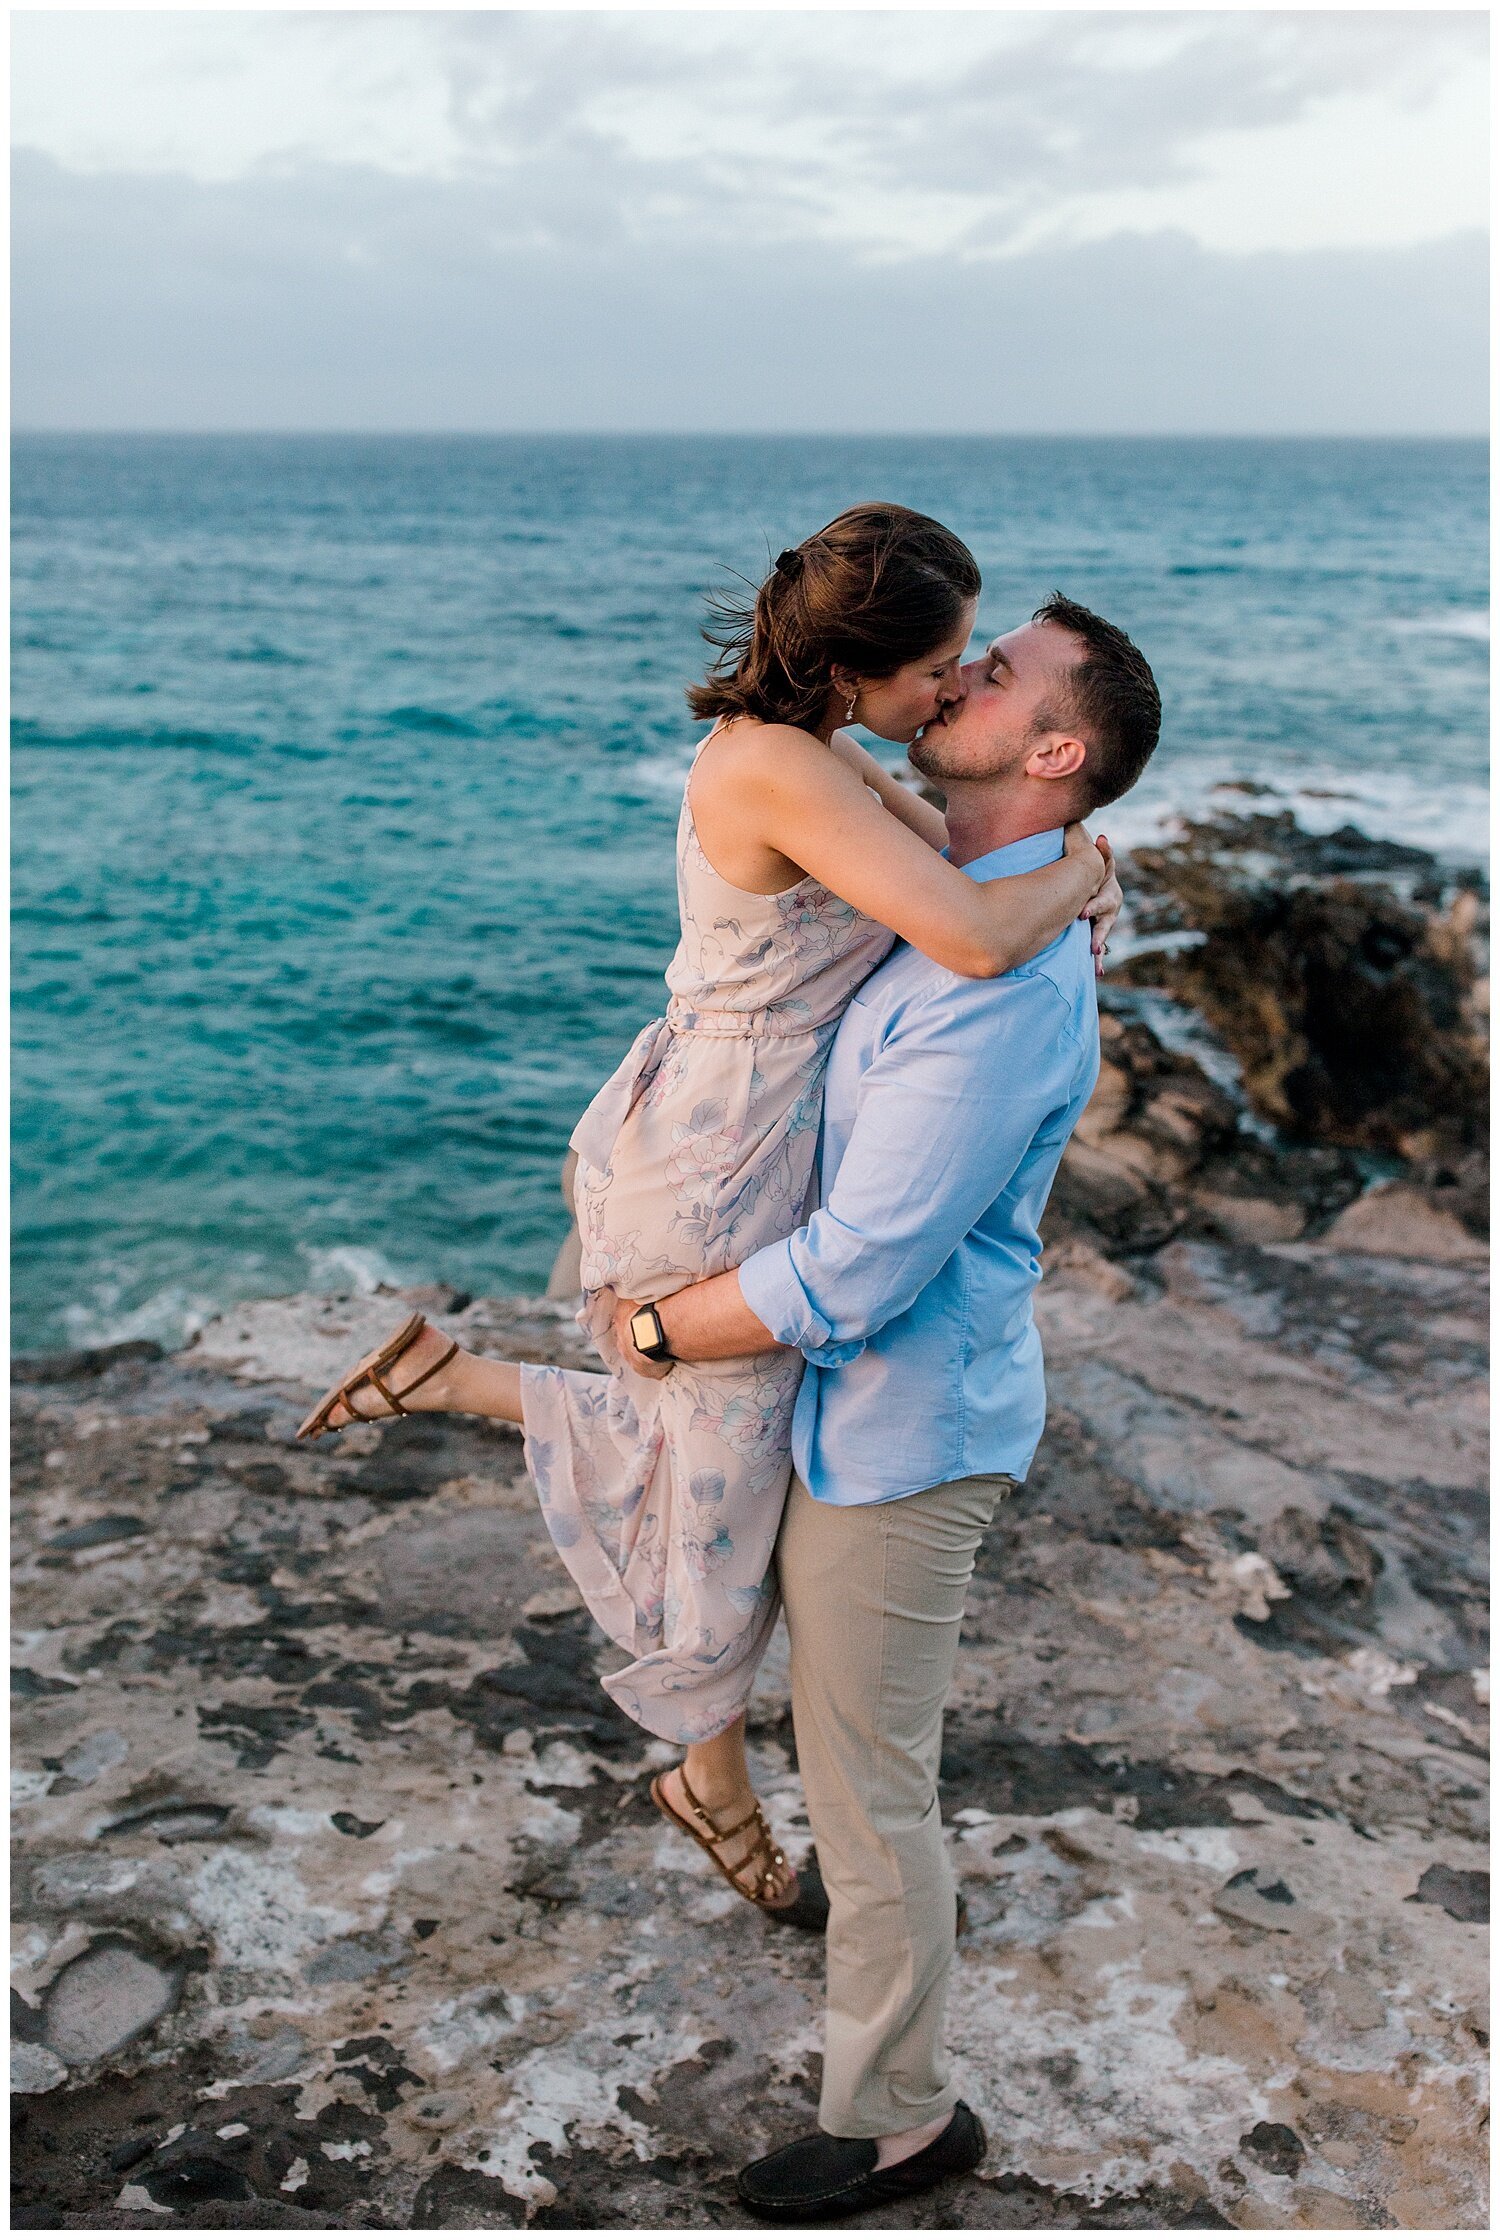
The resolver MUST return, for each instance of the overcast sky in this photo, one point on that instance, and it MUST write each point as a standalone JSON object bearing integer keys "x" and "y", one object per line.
{"x": 1133, "y": 221}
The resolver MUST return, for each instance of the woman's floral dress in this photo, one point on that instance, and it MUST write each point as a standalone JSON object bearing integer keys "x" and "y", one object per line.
{"x": 664, "y": 1497}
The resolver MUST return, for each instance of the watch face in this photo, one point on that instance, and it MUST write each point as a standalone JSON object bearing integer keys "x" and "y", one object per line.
{"x": 643, "y": 1330}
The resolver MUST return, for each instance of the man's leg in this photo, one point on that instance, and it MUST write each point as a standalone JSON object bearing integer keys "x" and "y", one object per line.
{"x": 874, "y": 1598}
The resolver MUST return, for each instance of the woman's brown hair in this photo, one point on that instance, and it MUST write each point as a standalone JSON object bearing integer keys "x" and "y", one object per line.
{"x": 879, "y": 587}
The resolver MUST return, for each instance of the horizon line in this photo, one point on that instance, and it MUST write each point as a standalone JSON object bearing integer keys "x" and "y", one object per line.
{"x": 805, "y": 435}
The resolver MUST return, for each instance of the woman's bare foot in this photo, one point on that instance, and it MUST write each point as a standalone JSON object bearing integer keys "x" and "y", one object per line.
{"x": 753, "y": 1863}
{"x": 408, "y": 1380}
{"x": 428, "y": 1374}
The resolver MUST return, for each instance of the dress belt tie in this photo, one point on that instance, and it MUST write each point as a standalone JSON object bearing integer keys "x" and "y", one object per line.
{"x": 594, "y": 1137}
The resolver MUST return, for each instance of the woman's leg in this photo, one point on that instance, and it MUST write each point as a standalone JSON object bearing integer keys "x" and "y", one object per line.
{"x": 714, "y": 1774}
{"x": 718, "y": 1776}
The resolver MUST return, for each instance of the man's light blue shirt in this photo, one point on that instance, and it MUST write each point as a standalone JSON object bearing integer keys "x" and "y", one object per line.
{"x": 947, "y": 1108}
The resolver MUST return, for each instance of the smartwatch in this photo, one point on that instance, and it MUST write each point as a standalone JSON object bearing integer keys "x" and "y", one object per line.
{"x": 648, "y": 1336}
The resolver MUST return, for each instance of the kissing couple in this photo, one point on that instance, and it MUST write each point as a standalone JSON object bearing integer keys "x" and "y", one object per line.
{"x": 808, "y": 1202}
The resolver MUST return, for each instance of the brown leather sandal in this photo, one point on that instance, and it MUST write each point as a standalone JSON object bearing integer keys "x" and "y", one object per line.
{"x": 373, "y": 1371}
{"x": 763, "y": 1859}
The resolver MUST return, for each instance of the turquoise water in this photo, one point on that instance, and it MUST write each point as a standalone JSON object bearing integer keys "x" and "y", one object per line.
{"x": 346, "y": 774}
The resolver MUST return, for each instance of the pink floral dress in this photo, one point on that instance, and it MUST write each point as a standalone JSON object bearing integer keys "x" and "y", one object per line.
{"x": 664, "y": 1497}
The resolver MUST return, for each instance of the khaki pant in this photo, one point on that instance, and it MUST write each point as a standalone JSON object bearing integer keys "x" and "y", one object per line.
{"x": 874, "y": 1598}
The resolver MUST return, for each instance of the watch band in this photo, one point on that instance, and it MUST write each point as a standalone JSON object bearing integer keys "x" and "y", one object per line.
{"x": 656, "y": 1347}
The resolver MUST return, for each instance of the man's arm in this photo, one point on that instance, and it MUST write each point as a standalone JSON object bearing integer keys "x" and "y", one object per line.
{"x": 708, "y": 1322}
{"x": 947, "y": 1110}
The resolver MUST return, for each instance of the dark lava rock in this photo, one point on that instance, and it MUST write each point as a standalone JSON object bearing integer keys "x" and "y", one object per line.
{"x": 1163, "y": 1148}
{"x": 28, "y": 1685}
{"x": 98, "y": 1532}
{"x": 88, "y": 1361}
{"x": 256, "y": 1731}
{"x": 1154, "y": 1119}
{"x": 377, "y": 2065}
{"x": 349, "y": 1825}
{"x": 174, "y": 1820}
{"x": 1463, "y": 1892}
{"x": 25, "y": 2022}
{"x": 415, "y": 1455}
{"x": 1275, "y": 2147}
{"x": 1346, "y": 1005}
{"x": 130, "y": 2152}
{"x": 1331, "y": 1561}
{"x": 458, "y": 2200}
{"x": 556, "y": 1687}
{"x": 184, "y": 2181}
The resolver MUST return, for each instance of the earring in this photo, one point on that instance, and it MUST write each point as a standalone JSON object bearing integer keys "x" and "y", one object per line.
{"x": 849, "y": 711}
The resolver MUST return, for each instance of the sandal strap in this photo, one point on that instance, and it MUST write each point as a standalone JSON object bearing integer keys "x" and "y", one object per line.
{"x": 441, "y": 1362}
{"x": 373, "y": 1377}
{"x": 393, "y": 1400}
{"x": 764, "y": 1856}
{"x": 720, "y": 1835}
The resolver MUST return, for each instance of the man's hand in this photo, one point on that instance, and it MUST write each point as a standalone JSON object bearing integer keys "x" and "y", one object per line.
{"x": 624, "y": 1309}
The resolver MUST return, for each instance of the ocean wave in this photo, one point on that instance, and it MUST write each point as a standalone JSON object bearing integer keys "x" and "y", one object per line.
{"x": 431, "y": 719}
{"x": 1472, "y": 623}
{"x": 659, "y": 774}
{"x": 1450, "y": 821}
{"x": 112, "y": 738}
{"x": 171, "y": 1316}
{"x": 176, "y": 1311}
{"x": 350, "y": 1267}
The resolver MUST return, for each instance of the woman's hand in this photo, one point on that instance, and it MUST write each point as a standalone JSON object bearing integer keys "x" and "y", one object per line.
{"x": 1106, "y": 905}
{"x": 1077, "y": 844}
{"x": 624, "y": 1309}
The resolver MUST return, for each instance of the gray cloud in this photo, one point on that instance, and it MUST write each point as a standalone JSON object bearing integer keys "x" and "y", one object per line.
{"x": 769, "y": 126}
{"x": 337, "y": 298}
{"x": 1055, "y": 105}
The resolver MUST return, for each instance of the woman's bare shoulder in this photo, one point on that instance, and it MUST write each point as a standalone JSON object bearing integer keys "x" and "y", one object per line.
{"x": 749, "y": 753}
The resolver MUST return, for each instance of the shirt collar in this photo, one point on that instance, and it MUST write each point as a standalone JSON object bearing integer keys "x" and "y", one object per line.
{"x": 1029, "y": 854}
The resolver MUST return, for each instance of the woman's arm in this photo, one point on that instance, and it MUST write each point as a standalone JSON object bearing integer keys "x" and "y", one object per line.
{"x": 903, "y": 801}
{"x": 1105, "y": 907}
{"x": 795, "y": 797}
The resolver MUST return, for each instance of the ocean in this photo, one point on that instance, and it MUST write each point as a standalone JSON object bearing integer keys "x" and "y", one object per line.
{"x": 346, "y": 773}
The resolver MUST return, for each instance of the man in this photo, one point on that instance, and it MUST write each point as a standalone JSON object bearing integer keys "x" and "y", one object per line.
{"x": 947, "y": 1108}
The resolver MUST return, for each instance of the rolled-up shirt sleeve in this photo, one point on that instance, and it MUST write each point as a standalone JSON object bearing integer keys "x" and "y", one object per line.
{"x": 957, "y": 1094}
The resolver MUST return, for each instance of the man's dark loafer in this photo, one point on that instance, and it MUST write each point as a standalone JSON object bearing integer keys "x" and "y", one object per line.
{"x": 823, "y": 2177}
{"x": 809, "y": 1909}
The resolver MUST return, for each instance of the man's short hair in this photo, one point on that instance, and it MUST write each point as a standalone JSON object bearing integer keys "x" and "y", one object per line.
{"x": 1114, "y": 701}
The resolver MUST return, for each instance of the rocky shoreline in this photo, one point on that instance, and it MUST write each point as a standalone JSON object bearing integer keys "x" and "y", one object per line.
{"x": 340, "y": 1898}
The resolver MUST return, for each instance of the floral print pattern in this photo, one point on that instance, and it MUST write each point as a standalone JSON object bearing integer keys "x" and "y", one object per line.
{"x": 664, "y": 1497}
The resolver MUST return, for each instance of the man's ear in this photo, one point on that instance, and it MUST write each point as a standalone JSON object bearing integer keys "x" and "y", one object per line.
{"x": 1058, "y": 756}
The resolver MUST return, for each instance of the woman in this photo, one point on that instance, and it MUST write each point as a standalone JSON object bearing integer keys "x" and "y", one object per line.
{"x": 799, "y": 861}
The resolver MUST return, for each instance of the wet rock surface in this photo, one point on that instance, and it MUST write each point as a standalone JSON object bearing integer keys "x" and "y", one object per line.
{"x": 1341, "y": 971}
{"x": 341, "y": 1901}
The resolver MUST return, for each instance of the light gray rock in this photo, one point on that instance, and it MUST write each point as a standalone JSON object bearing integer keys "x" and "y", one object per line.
{"x": 35, "y": 2068}
{"x": 96, "y": 1754}
{"x": 106, "y": 1997}
{"x": 1263, "y": 1899}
